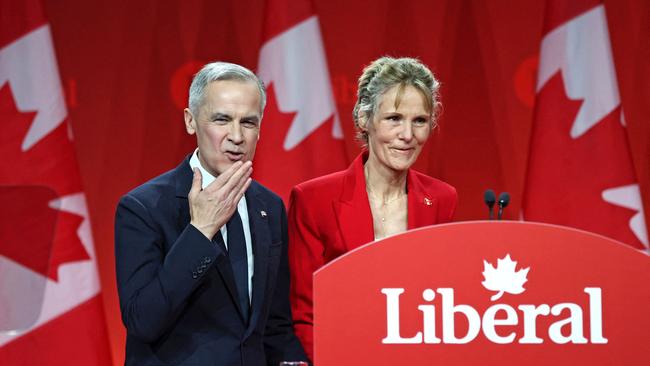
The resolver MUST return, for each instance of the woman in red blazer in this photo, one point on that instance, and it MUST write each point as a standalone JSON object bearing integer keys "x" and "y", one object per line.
{"x": 378, "y": 195}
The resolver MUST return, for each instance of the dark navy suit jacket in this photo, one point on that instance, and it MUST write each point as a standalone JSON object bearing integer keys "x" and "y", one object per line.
{"x": 177, "y": 290}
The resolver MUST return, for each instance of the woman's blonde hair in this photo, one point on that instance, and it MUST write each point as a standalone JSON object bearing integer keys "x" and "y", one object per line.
{"x": 386, "y": 72}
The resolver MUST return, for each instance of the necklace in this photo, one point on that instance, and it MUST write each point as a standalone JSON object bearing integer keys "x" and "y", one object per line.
{"x": 384, "y": 202}
{"x": 389, "y": 215}
{"x": 372, "y": 196}
{"x": 383, "y": 205}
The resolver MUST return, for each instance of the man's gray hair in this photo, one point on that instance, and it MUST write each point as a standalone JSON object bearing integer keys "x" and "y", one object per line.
{"x": 215, "y": 71}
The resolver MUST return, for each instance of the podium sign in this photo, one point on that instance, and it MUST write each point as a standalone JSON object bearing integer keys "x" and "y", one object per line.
{"x": 485, "y": 293}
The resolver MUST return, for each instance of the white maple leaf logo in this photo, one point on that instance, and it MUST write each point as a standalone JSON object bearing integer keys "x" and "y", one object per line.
{"x": 504, "y": 278}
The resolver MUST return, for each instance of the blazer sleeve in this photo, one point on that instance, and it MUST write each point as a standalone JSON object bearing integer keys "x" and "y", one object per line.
{"x": 305, "y": 256}
{"x": 449, "y": 205}
{"x": 154, "y": 286}
{"x": 280, "y": 342}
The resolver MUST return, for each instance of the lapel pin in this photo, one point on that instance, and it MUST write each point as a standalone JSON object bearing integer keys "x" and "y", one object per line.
{"x": 427, "y": 201}
{"x": 263, "y": 213}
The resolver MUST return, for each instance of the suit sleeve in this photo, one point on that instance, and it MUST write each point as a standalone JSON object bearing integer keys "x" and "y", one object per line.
{"x": 154, "y": 286}
{"x": 280, "y": 342}
{"x": 305, "y": 257}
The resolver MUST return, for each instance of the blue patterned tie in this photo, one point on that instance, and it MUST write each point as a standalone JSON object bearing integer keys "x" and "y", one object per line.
{"x": 239, "y": 260}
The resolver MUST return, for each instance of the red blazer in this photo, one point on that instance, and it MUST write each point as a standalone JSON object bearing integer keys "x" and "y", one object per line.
{"x": 330, "y": 215}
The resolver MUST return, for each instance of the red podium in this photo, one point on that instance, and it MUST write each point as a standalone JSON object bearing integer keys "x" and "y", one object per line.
{"x": 485, "y": 293}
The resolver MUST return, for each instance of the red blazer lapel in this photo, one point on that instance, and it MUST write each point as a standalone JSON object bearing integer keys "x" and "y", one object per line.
{"x": 422, "y": 208}
{"x": 352, "y": 211}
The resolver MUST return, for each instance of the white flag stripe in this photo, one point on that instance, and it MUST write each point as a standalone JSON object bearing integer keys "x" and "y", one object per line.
{"x": 29, "y": 65}
{"x": 581, "y": 51}
{"x": 294, "y": 62}
{"x": 629, "y": 197}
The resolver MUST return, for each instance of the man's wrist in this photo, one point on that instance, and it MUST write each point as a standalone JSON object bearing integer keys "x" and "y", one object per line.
{"x": 205, "y": 230}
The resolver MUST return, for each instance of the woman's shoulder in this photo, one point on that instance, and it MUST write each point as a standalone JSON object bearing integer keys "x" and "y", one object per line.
{"x": 324, "y": 185}
{"x": 432, "y": 185}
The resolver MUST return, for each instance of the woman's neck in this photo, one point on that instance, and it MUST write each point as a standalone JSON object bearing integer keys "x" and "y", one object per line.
{"x": 382, "y": 182}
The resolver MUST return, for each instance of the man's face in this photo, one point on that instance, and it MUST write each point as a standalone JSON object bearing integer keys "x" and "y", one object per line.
{"x": 227, "y": 124}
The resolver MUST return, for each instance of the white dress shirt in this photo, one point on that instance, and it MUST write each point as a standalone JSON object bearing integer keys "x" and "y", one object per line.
{"x": 242, "y": 208}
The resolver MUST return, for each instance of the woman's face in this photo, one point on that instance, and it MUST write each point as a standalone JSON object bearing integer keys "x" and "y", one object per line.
{"x": 396, "y": 134}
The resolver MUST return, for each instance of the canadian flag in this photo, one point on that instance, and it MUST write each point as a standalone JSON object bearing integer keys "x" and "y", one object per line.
{"x": 580, "y": 171}
{"x": 50, "y": 305}
{"x": 301, "y": 134}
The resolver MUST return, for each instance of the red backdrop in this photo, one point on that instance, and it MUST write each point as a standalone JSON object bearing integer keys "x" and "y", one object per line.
{"x": 125, "y": 67}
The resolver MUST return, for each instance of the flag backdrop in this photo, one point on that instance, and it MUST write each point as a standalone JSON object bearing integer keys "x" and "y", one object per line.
{"x": 302, "y": 130}
{"x": 580, "y": 172}
{"x": 51, "y": 311}
{"x": 125, "y": 67}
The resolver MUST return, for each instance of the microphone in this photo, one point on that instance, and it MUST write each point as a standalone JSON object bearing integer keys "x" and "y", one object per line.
{"x": 489, "y": 198}
{"x": 504, "y": 199}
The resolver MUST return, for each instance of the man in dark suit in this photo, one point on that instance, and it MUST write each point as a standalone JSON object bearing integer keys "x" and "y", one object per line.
{"x": 201, "y": 251}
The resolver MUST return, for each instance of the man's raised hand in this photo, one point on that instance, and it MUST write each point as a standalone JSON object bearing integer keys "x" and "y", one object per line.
{"x": 212, "y": 207}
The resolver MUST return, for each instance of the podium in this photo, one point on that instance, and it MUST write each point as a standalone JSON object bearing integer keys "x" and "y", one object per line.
{"x": 485, "y": 293}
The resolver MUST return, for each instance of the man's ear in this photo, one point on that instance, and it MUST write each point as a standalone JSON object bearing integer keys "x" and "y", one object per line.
{"x": 190, "y": 121}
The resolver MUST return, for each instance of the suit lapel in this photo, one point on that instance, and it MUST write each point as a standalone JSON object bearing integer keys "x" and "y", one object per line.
{"x": 422, "y": 208}
{"x": 183, "y": 182}
{"x": 352, "y": 211}
{"x": 261, "y": 241}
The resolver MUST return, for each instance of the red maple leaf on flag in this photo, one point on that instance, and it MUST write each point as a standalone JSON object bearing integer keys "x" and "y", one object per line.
{"x": 568, "y": 176}
{"x": 282, "y": 169}
{"x": 33, "y": 232}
